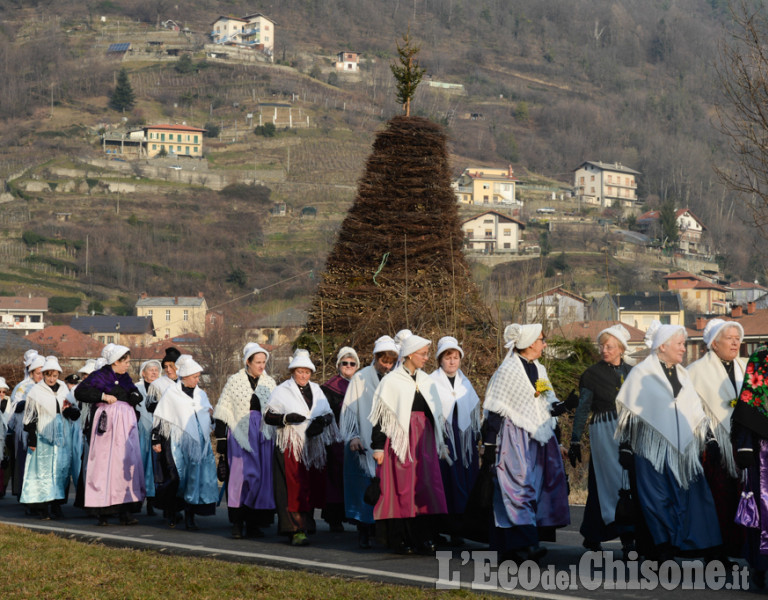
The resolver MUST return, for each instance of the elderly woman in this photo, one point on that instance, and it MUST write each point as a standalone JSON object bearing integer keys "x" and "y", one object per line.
{"x": 149, "y": 372}
{"x": 4, "y": 460}
{"x": 662, "y": 431}
{"x": 158, "y": 387}
{"x": 461, "y": 412}
{"x": 16, "y": 436}
{"x": 531, "y": 494}
{"x": 598, "y": 387}
{"x": 301, "y": 420}
{"x": 347, "y": 363}
{"x": 359, "y": 466}
{"x": 245, "y": 461}
{"x": 114, "y": 473}
{"x": 182, "y": 433}
{"x": 718, "y": 377}
{"x": 49, "y": 452}
{"x": 407, "y": 443}
{"x": 79, "y": 440}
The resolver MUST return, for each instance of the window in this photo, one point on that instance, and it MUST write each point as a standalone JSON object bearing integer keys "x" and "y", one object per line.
{"x": 485, "y": 199}
{"x": 507, "y": 245}
{"x": 470, "y": 233}
{"x": 665, "y": 319}
{"x": 508, "y": 232}
{"x": 592, "y": 178}
{"x": 34, "y": 319}
{"x": 186, "y": 315}
{"x": 195, "y": 139}
{"x": 489, "y": 233}
{"x": 167, "y": 333}
{"x": 110, "y": 339}
{"x": 592, "y": 189}
{"x": 196, "y": 150}
{"x": 167, "y": 315}
{"x": 154, "y": 146}
{"x": 698, "y": 295}
{"x": 486, "y": 186}
{"x": 101, "y": 339}
{"x": 178, "y": 148}
{"x": 581, "y": 180}
{"x": 162, "y": 138}
{"x": 610, "y": 178}
{"x": 149, "y": 312}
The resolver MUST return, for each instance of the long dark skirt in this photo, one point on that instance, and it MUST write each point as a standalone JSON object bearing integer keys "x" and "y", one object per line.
{"x": 298, "y": 492}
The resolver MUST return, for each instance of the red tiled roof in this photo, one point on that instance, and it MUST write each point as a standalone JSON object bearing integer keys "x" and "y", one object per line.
{"x": 590, "y": 329}
{"x": 755, "y": 325}
{"x": 555, "y": 290}
{"x": 746, "y": 285}
{"x": 23, "y": 303}
{"x": 681, "y": 275}
{"x": 66, "y": 342}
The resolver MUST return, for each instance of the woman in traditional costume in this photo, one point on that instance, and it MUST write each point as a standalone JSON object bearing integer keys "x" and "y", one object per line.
{"x": 149, "y": 372}
{"x": 356, "y": 429}
{"x": 245, "y": 461}
{"x": 598, "y": 387}
{"x": 662, "y": 431}
{"x": 407, "y": 442}
{"x": 301, "y": 421}
{"x": 718, "y": 377}
{"x": 461, "y": 413}
{"x": 334, "y": 389}
{"x": 749, "y": 436}
{"x": 182, "y": 434}
{"x": 4, "y": 453}
{"x": 49, "y": 452}
{"x": 114, "y": 474}
{"x": 169, "y": 377}
{"x": 530, "y": 490}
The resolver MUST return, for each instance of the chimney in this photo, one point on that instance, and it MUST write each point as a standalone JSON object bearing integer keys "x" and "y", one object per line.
{"x": 175, "y": 299}
{"x": 736, "y": 311}
{"x": 143, "y": 295}
{"x": 200, "y": 294}
{"x": 751, "y": 308}
{"x": 700, "y": 323}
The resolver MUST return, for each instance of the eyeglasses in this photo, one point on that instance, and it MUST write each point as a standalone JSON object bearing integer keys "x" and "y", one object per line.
{"x": 347, "y": 363}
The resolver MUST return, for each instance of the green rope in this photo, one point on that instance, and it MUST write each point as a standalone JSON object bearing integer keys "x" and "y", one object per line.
{"x": 381, "y": 266}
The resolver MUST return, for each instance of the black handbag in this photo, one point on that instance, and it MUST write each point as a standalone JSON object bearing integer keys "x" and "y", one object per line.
{"x": 625, "y": 507}
{"x": 372, "y": 492}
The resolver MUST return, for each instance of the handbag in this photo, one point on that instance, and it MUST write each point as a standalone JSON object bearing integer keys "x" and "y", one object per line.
{"x": 372, "y": 492}
{"x": 625, "y": 507}
{"x": 747, "y": 514}
{"x": 101, "y": 426}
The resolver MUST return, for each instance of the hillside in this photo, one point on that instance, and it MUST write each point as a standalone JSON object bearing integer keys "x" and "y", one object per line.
{"x": 550, "y": 82}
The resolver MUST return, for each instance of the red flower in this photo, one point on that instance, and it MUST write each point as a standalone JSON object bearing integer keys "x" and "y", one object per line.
{"x": 750, "y": 367}
{"x": 746, "y": 396}
{"x": 755, "y": 380}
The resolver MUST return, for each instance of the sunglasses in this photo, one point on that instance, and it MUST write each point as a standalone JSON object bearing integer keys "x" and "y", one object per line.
{"x": 347, "y": 363}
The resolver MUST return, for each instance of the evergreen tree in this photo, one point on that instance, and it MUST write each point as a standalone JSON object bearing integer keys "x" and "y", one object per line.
{"x": 122, "y": 98}
{"x": 668, "y": 222}
{"x": 408, "y": 75}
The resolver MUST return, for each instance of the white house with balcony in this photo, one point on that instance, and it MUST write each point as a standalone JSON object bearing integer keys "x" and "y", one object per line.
{"x": 251, "y": 31}
{"x": 605, "y": 184}
{"x": 24, "y": 314}
{"x": 492, "y": 233}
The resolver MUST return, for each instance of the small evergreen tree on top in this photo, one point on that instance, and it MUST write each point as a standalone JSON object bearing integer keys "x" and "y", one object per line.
{"x": 122, "y": 97}
{"x": 408, "y": 74}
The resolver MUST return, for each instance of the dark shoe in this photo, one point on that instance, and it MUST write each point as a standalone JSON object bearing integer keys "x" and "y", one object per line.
{"x": 403, "y": 548}
{"x": 102, "y": 522}
{"x": 536, "y": 553}
{"x": 189, "y": 522}
{"x": 299, "y": 539}
{"x": 174, "y": 519}
{"x": 150, "y": 508}
{"x": 427, "y": 548}
{"x": 56, "y": 512}
{"x": 237, "y": 531}
{"x": 253, "y": 532}
{"x": 363, "y": 539}
{"x": 128, "y": 520}
{"x": 336, "y": 527}
{"x": 43, "y": 514}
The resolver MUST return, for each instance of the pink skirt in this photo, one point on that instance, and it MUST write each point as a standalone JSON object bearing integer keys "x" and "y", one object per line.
{"x": 415, "y": 487}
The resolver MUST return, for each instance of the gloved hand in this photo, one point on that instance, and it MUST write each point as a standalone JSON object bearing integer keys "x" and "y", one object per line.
{"x": 572, "y": 401}
{"x": 557, "y": 409}
{"x": 745, "y": 458}
{"x": 316, "y": 426}
{"x": 626, "y": 456}
{"x": 327, "y": 419}
{"x": 71, "y": 412}
{"x": 20, "y": 407}
{"x": 135, "y": 398}
{"x": 713, "y": 450}
{"x": 489, "y": 455}
{"x": 294, "y": 418}
{"x": 119, "y": 393}
{"x": 222, "y": 469}
{"x": 574, "y": 453}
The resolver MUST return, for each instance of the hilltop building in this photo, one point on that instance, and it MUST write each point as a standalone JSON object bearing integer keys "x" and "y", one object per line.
{"x": 23, "y": 314}
{"x": 154, "y": 140}
{"x": 174, "y": 315}
{"x": 492, "y": 233}
{"x": 605, "y": 184}
{"x": 254, "y": 31}
{"x": 487, "y": 186}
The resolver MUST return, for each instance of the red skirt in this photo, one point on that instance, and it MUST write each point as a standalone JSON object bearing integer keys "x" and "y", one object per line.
{"x": 415, "y": 487}
{"x": 305, "y": 487}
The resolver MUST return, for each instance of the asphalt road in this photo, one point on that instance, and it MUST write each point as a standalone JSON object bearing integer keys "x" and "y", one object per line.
{"x": 561, "y": 574}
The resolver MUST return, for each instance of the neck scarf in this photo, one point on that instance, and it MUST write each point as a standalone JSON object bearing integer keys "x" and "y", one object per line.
{"x": 461, "y": 396}
{"x": 177, "y": 417}
{"x": 358, "y": 402}
{"x": 234, "y": 405}
{"x": 41, "y": 404}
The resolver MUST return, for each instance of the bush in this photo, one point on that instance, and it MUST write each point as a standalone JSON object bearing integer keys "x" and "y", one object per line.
{"x": 95, "y": 307}
{"x": 212, "y": 130}
{"x": 63, "y": 304}
{"x": 267, "y": 130}
{"x": 30, "y": 238}
{"x": 248, "y": 192}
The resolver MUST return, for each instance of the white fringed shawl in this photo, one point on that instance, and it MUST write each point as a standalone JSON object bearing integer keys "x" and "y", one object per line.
{"x": 392, "y": 404}
{"x": 175, "y": 419}
{"x": 41, "y": 403}
{"x": 716, "y": 391}
{"x": 286, "y": 398}
{"x": 145, "y": 417}
{"x": 511, "y": 395}
{"x": 357, "y": 405}
{"x": 665, "y": 430}
{"x": 234, "y": 405}
{"x": 463, "y": 396}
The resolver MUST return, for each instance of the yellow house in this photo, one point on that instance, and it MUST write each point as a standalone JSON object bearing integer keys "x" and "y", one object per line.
{"x": 173, "y": 316}
{"x": 486, "y": 186}
{"x": 176, "y": 140}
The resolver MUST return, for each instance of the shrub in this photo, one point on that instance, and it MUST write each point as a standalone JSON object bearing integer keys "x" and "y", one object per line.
{"x": 63, "y": 304}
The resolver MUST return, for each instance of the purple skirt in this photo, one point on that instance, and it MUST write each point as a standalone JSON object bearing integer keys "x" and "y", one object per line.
{"x": 250, "y": 473}
{"x": 415, "y": 487}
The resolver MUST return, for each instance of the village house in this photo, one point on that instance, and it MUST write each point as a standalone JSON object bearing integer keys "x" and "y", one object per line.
{"x": 251, "y": 31}
{"x": 591, "y": 329}
{"x": 174, "y": 315}
{"x": 349, "y": 62}
{"x": 699, "y": 295}
{"x": 487, "y": 186}
{"x": 67, "y": 343}
{"x": 691, "y": 238}
{"x": 153, "y": 140}
{"x": 741, "y": 292}
{"x": 555, "y": 307}
{"x": 753, "y": 320}
{"x": 111, "y": 329}
{"x": 23, "y": 314}
{"x": 605, "y": 184}
{"x": 492, "y": 233}
{"x": 639, "y": 310}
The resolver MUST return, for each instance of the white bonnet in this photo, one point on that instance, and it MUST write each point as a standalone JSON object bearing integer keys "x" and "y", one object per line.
{"x": 658, "y": 334}
{"x": 715, "y": 326}
{"x": 618, "y": 331}
{"x": 186, "y": 366}
{"x": 346, "y": 351}
{"x": 301, "y": 359}
{"x": 448, "y": 343}
{"x": 521, "y": 336}
{"x": 252, "y": 348}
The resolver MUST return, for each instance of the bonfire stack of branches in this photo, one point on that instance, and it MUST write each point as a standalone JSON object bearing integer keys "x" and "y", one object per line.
{"x": 398, "y": 260}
